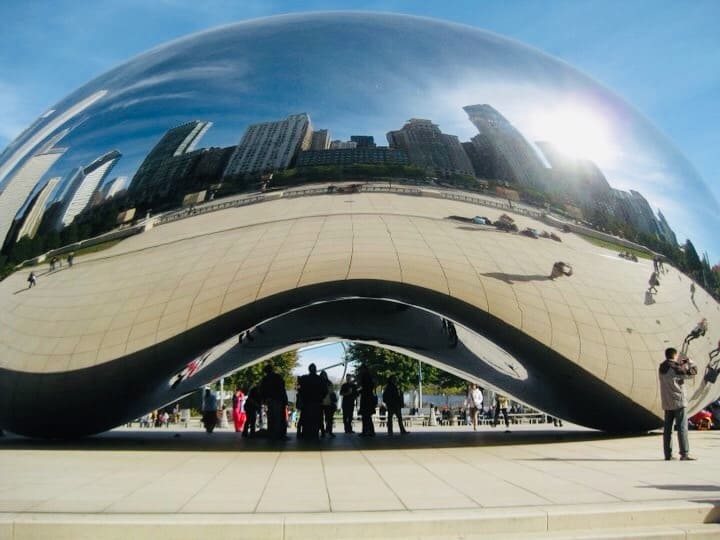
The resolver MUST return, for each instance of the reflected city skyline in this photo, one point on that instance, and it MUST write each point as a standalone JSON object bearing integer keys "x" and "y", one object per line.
{"x": 429, "y": 75}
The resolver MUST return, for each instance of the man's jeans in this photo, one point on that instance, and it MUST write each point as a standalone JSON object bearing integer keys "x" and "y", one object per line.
{"x": 679, "y": 417}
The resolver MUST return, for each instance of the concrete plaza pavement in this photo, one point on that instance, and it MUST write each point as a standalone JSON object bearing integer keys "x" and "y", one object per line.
{"x": 534, "y": 480}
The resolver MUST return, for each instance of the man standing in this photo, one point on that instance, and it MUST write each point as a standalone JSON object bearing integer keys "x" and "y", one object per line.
{"x": 349, "y": 393}
{"x": 312, "y": 390}
{"x": 501, "y": 406}
{"x": 672, "y": 373}
{"x": 393, "y": 401}
{"x": 272, "y": 389}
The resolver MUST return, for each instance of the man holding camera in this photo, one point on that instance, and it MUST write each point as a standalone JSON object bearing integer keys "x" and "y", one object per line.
{"x": 673, "y": 372}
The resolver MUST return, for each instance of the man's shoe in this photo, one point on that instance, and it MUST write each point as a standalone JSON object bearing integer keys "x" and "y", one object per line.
{"x": 671, "y": 458}
{"x": 687, "y": 458}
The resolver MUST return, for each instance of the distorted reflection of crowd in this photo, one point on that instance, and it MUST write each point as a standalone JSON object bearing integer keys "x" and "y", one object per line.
{"x": 265, "y": 411}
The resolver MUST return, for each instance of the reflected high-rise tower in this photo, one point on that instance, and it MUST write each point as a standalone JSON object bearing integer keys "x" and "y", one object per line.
{"x": 38, "y": 136}
{"x": 320, "y": 140}
{"x": 34, "y": 214}
{"x": 429, "y": 147}
{"x": 176, "y": 142}
{"x": 509, "y": 154}
{"x": 271, "y": 146}
{"x": 84, "y": 184}
{"x": 21, "y": 185}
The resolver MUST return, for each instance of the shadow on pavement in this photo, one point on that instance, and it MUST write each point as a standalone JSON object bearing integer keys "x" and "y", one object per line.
{"x": 684, "y": 487}
{"x": 161, "y": 439}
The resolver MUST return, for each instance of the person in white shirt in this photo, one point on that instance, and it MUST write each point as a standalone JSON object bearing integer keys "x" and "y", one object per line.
{"x": 474, "y": 403}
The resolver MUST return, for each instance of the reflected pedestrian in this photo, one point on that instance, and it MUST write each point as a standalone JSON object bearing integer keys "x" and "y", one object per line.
{"x": 653, "y": 283}
{"x": 697, "y": 332}
{"x": 349, "y": 393}
{"x": 368, "y": 400}
{"x": 560, "y": 269}
{"x": 393, "y": 400}
{"x": 70, "y": 258}
{"x": 672, "y": 374}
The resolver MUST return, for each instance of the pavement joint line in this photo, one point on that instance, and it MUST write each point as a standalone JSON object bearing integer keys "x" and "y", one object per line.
{"x": 384, "y": 481}
{"x": 577, "y": 482}
{"x": 325, "y": 481}
{"x": 134, "y": 491}
{"x": 267, "y": 482}
{"x": 498, "y": 477}
{"x": 444, "y": 481}
{"x": 207, "y": 483}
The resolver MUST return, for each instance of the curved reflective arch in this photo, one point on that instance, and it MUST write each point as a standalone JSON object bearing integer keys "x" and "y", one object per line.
{"x": 365, "y": 175}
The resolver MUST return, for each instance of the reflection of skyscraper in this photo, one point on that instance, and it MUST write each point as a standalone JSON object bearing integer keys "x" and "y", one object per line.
{"x": 21, "y": 185}
{"x": 363, "y": 141}
{"x": 84, "y": 184}
{"x": 111, "y": 188}
{"x": 11, "y": 161}
{"x": 429, "y": 147}
{"x": 342, "y": 145}
{"x": 633, "y": 209}
{"x": 320, "y": 140}
{"x": 665, "y": 231}
{"x": 577, "y": 179}
{"x": 176, "y": 142}
{"x": 271, "y": 145}
{"x": 514, "y": 158}
{"x": 34, "y": 214}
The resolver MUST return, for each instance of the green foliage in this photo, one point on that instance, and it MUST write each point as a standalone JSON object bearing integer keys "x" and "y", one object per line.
{"x": 383, "y": 363}
{"x": 248, "y": 377}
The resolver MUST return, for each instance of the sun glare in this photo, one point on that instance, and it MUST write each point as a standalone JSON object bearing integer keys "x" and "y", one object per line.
{"x": 577, "y": 132}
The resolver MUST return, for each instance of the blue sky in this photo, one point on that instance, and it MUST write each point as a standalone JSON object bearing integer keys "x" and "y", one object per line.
{"x": 662, "y": 57}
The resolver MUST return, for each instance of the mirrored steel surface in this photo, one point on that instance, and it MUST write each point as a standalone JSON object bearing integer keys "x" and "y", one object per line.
{"x": 352, "y": 176}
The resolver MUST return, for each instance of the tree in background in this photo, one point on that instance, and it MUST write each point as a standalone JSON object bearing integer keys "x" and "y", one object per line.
{"x": 248, "y": 377}
{"x": 383, "y": 363}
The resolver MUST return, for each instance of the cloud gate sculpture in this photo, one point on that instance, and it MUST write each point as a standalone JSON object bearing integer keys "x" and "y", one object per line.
{"x": 424, "y": 186}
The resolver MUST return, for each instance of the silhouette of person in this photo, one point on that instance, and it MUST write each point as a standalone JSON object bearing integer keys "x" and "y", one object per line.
{"x": 272, "y": 389}
{"x": 329, "y": 406}
{"x": 209, "y": 411}
{"x": 253, "y": 402}
{"x": 393, "y": 401}
{"x": 368, "y": 400}
{"x": 312, "y": 391}
{"x": 32, "y": 280}
{"x": 349, "y": 393}
{"x": 501, "y": 406}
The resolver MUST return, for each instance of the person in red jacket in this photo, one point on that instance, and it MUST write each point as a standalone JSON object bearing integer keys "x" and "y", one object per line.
{"x": 239, "y": 415}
